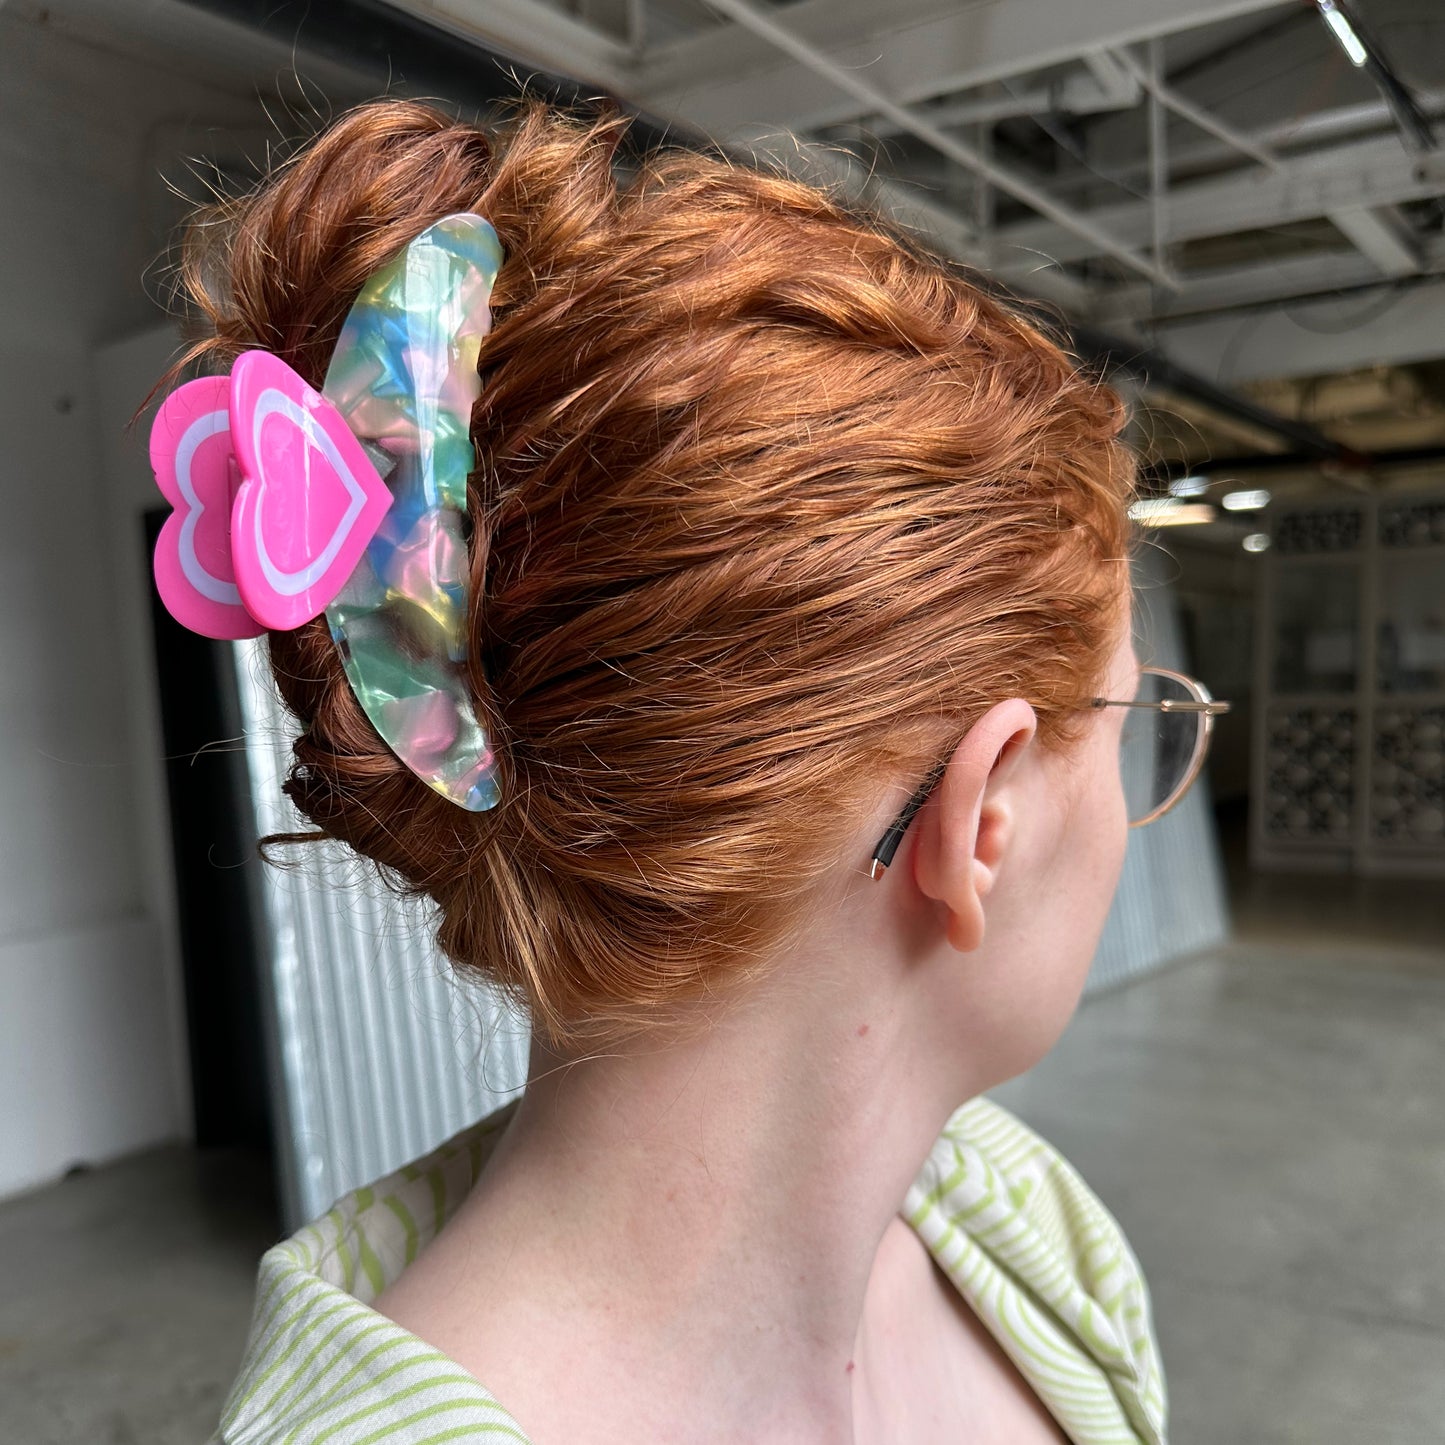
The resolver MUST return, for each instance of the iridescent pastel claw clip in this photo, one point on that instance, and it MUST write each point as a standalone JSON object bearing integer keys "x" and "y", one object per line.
{"x": 353, "y": 500}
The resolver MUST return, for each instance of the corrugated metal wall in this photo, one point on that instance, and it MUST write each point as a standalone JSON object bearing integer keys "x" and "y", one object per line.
{"x": 376, "y": 1052}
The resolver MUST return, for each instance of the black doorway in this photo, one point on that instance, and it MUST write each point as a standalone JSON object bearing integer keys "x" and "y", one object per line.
{"x": 216, "y": 863}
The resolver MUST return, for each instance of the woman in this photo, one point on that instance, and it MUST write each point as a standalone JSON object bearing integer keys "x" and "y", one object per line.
{"x": 776, "y": 522}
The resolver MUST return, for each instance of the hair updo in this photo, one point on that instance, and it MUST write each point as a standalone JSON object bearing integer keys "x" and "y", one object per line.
{"x": 770, "y": 506}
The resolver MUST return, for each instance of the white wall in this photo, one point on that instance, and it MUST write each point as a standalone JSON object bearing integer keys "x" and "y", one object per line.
{"x": 92, "y": 1043}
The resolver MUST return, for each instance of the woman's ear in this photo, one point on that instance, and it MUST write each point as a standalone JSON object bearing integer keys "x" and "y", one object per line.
{"x": 964, "y": 830}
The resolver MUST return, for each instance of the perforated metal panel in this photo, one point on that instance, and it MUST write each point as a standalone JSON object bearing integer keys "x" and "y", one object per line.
{"x": 1349, "y": 766}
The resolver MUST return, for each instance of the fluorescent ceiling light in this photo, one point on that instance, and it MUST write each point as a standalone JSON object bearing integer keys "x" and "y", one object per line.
{"x": 1191, "y": 486}
{"x": 1244, "y": 501}
{"x": 1256, "y": 542}
{"x": 1339, "y": 22}
{"x": 1170, "y": 512}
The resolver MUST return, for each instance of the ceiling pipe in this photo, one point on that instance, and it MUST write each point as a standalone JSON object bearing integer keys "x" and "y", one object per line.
{"x": 1154, "y": 368}
{"x": 1157, "y": 475}
{"x": 1365, "y": 52}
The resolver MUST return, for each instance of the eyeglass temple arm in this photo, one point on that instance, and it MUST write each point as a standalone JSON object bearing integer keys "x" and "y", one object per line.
{"x": 888, "y": 844}
{"x": 1168, "y": 704}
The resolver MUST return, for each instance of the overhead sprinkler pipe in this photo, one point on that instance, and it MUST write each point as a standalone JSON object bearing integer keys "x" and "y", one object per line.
{"x": 1365, "y": 53}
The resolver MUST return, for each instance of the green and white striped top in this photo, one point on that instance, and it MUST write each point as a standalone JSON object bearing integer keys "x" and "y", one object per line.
{"x": 1027, "y": 1243}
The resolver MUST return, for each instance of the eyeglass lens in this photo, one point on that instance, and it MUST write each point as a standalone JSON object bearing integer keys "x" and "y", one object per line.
{"x": 1157, "y": 748}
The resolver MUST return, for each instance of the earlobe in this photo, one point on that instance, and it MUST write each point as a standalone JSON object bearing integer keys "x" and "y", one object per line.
{"x": 966, "y": 922}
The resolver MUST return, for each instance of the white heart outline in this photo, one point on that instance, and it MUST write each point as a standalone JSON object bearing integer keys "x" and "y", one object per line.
{"x": 274, "y": 402}
{"x": 207, "y": 584}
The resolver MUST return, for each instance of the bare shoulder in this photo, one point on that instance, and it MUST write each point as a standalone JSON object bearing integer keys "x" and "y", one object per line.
{"x": 936, "y": 1376}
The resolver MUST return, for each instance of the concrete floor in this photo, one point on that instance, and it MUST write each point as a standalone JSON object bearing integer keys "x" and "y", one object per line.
{"x": 1265, "y": 1121}
{"x": 127, "y": 1296}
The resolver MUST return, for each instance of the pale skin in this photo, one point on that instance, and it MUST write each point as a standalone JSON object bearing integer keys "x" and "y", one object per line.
{"x": 699, "y": 1243}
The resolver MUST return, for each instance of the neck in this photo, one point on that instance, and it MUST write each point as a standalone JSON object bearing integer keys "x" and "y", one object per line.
{"x": 719, "y": 1205}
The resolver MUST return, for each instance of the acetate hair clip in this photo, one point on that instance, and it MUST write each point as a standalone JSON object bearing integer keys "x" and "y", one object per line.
{"x": 353, "y": 500}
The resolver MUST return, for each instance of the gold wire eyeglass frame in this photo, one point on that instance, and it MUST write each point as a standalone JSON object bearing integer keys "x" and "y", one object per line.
{"x": 1200, "y": 701}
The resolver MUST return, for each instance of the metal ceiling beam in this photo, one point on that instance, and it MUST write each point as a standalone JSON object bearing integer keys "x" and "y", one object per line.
{"x": 1382, "y": 235}
{"x": 1236, "y": 287}
{"x": 852, "y": 83}
{"x": 910, "y": 51}
{"x": 535, "y": 33}
{"x": 1104, "y": 85}
{"x": 1398, "y": 324}
{"x": 1046, "y": 288}
{"x": 1191, "y": 154}
{"x": 1368, "y": 173}
{"x": 1196, "y": 115}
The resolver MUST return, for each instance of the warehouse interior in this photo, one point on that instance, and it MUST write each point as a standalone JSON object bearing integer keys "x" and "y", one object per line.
{"x": 1235, "y": 209}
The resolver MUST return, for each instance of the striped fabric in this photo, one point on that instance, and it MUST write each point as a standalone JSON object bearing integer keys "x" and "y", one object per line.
{"x": 1036, "y": 1254}
{"x": 1046, "y": 1267}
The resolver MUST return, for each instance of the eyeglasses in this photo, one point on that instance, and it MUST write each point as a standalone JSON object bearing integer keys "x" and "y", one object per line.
{"x": 1161, "y": 750}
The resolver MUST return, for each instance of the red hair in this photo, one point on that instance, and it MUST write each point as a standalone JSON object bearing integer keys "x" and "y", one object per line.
{"x": 770, "y": 506}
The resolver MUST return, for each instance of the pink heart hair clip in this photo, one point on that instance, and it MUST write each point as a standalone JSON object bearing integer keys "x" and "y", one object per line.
{"x": 352, "y": 501}
{"x": 274, "y": 498}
